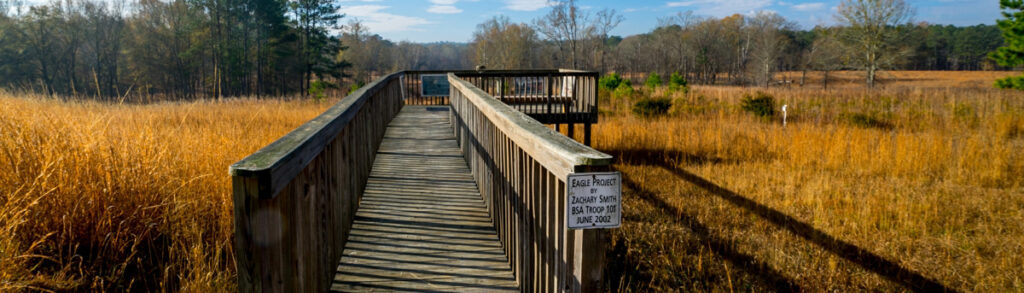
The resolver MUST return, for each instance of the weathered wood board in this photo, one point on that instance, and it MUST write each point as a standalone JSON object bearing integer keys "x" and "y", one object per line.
{"x": 422, "y": 224}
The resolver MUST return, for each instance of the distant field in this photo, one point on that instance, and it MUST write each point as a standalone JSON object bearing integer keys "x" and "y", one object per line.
{"x": 855, "y": 79}
{"x": 941, "y": 79}
{"x": 863, "y": 190}
{"x": 927, "y": 174}
{"x": 111, "y": 198}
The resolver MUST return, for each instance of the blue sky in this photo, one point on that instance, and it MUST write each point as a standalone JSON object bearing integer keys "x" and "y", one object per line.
{"x": 455, "y": 20}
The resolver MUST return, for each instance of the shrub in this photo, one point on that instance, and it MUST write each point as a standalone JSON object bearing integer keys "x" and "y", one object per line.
{"x": 610, "y": 82}
{"x": 355, "y": 86}
{"x": 965, "y": 113}
{"x": 761, "y": 104}
{"x": 1013, "y": 82}
{"x": 653, "y": 81}
{"x": 677, "y": 83}
{"x": 693, "y": 105}
{"x": 318, "y": 88}
{"x": 865, "y": 120}
{"x": 652, "y": 106}
{"x": 624, "y": 89}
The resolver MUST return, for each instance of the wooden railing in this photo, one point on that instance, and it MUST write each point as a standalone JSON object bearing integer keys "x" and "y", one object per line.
{"x": 521, "y": 168}
{"x": 295, "y": 199}
{"x": 550, "y": 96}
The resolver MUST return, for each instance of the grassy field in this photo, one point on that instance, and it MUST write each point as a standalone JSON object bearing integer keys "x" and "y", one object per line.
{"x": 126, "y": 197}
{"x": 844, "y": 79}
{"x": 920, "y": 182}
{"x": 909, "y": 185}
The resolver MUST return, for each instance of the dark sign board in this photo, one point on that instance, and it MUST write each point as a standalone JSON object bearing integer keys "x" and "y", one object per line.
{"x": 432, "y": 85}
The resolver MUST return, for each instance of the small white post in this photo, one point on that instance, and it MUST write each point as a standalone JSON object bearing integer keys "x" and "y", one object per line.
{"x": 784, "y": 115}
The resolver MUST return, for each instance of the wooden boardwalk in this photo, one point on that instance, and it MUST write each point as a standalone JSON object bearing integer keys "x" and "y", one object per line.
{"x": 422, "y": 225}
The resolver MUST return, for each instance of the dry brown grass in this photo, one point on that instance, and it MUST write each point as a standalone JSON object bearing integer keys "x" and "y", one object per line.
{"x": 929, "y": 179}
{"x": 126, "y": 197}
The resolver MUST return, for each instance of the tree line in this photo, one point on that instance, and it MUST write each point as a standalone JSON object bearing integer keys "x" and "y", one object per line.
{"x": 213, "y": 48}
{"x": 179, "y": 48}
{"x": 871, "y": 35}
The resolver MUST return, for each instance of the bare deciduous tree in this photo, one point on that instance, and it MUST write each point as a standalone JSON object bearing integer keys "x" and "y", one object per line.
{"x": 825, "y": 53}
{"x": 769, "y": 44}
{"x": 500, "y": 44}
{"x": 604, "y": 21}
{"x": 368, "y": 53}
{"x": 566, "y": 25}
{"x": 872, "y": 32}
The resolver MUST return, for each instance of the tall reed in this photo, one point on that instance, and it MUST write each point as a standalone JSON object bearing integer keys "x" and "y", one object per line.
{"x": 126, "y": 197}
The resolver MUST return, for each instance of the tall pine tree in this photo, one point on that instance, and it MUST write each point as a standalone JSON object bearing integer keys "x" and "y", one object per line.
{"x": 318, "y": 48}
{"x": 1012, "y": 53}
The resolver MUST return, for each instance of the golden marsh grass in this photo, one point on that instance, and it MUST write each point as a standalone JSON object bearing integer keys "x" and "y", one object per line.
{"x": 929, "y": 179}
{"x": 126, "y": 197}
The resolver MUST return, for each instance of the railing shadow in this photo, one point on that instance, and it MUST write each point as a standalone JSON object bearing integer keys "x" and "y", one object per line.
{"x": 855, "y": 254}
{"x": 724, "y": 248}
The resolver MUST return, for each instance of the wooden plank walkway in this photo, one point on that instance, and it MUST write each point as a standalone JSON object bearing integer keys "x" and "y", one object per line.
{"x": 422, "y": 225}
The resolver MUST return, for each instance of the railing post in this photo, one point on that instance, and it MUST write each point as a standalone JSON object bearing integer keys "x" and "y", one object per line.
{"x": 549, "y": 93}
{"x": 593, "y": 98}
{"x": 586, "y": 134}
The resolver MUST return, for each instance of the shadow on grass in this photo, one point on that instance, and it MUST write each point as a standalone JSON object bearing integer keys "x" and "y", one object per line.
{"x": 722, "y": 247}
{"x": 860, "y": 256}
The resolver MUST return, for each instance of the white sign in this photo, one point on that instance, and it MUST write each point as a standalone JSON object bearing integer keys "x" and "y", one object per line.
{"x": 594, "y": 200}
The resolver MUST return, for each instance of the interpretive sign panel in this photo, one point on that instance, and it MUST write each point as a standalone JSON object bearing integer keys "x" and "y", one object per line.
{"x": 433, "y": 85}
{"x": 594, "y": 200}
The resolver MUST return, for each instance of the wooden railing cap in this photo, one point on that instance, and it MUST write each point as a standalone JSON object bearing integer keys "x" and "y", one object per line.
{"x": 274, "y": 165}
{"x": 515, "y": 72}
{"x": 540, "y": 141}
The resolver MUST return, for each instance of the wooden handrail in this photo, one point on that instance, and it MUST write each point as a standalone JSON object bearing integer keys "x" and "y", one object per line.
{"x": 559, "y": 154}
{"x": 279, "y": 162}
{"x": 295, "y": 200}
{"x": 521, "y": 167}
{"x": 568, "y": 96}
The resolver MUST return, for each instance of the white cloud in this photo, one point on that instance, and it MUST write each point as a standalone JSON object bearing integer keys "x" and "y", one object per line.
{"x": 525, "y": 5}
{"x": 444, "y": 9}
{"x": 805, "y": 7}
{"x": 682, "y": 3}
{"x": 720, "y": 8}
{"x": 378, "y": 21}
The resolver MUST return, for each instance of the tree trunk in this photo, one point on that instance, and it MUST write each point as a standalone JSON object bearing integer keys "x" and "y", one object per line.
{"x": 826, "y": 80}
{"x": 871, "y": 76}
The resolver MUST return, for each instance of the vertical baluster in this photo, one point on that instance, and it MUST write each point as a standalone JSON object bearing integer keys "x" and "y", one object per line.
{"x": 539, "y": 223}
